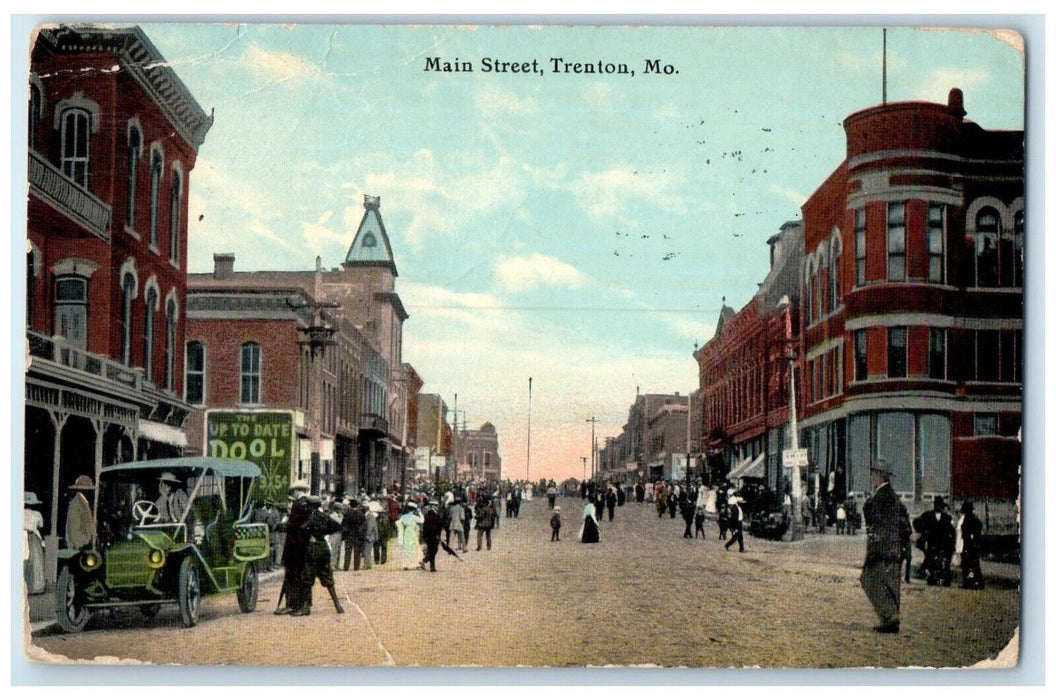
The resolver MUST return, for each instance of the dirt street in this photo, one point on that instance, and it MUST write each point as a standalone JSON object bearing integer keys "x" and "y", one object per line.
{"x": 642, "y": 596}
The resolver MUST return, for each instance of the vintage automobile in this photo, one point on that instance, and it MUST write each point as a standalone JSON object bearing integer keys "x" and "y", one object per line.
{"x": 154, "y": 547}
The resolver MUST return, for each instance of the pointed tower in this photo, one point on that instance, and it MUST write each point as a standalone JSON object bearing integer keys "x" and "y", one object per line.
{"x": 371, "y": 245}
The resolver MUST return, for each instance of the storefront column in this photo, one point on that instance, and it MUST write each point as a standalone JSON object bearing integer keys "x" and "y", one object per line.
{"x": 51, "y": 541}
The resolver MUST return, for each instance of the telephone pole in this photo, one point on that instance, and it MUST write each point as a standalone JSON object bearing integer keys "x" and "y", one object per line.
{"x": 593, "y": 422}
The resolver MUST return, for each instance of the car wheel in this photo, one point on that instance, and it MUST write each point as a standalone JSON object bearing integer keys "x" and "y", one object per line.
{"x": 70, "y": 611}
{"x": 247, "y": 592}
{"x": 190, "y": 592}
{"x": 150, "y": 610}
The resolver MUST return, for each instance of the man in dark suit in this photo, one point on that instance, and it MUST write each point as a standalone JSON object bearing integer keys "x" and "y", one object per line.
{"x": 883, "y": 550}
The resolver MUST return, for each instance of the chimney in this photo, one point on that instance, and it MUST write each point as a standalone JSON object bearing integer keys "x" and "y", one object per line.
{"x": 223, "y": 265}
{"x": 955, "y": 103}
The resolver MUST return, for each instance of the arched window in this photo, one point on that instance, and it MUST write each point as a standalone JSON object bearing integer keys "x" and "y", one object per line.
{"x": 936, "y": 243}
{"x": 157, "y": 166}
{"x": 135, "y": 150}
{"x": 987, "y": 231}
{"x": 128, "y": 293}
{"x": 76, "y": 129}
{"x": 194, "y": 383}
{"x": 34, "y": 114}
{"x": 171, "y": 318}
{"x": 1017, "y": 253}
{"x": 834, "y": 274}
{"x": 175, "y": 211}
{"x": 148, "y": 334}
{"x": 250, "y": 373}
{"x": 859, "y": 247}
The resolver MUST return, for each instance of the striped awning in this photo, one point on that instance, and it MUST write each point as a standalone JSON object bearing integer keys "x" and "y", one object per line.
{"x": 749, "y": 467}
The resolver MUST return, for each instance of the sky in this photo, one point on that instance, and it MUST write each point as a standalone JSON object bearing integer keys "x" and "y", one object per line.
{"x": 580, "y": 229}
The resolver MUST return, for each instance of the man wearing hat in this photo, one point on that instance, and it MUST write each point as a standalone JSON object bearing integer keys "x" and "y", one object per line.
{"x": 883, "y": 551}
{"x": 940, "y": 539}
{"x": 172, "y": 501}
{"x": 295, "y": 548}
{"x": 80, "y": 523}
{"x": 432, "y": 531}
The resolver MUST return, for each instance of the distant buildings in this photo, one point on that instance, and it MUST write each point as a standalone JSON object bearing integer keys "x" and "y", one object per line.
{"x": 113, "y": 138}
{"x": 652, "y": 443}
{"x": 477, "y": 454}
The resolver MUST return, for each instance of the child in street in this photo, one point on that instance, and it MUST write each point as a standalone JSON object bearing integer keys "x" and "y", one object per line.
{"x": 555, "y": 525}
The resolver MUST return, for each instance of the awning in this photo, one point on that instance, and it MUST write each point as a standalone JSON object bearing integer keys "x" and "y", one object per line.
{"x": 160, "y": 432}
{"x": 749, "y": 467}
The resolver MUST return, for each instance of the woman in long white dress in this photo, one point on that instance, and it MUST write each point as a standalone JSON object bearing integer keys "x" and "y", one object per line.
{"x": 407, "y": 528}
{"x": 33, "y": 545}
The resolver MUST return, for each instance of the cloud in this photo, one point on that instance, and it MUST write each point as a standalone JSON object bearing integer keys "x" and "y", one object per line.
{"x": 794, "y": 196}
{"x": 606, "y": 193}
{"x": 277, "y": 66}
{"x": 318, "y": 236}
{"x": 598, "y": 95}
{"x": 495, "y": 103}
{"x": 527, "y": 273}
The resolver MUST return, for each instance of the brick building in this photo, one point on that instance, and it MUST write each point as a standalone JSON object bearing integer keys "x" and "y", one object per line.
{"x": 327, "y": 343}
{"x": 744, "y": 369}
{"x": 113, "y": 137}
{"x": 912, "y": 308}
{"x": 434, "y": 437}
{"x": 478, "y": 450}
{"x": 635, "y": 453}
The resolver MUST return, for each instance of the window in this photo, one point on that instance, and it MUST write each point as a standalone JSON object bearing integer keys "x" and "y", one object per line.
{"x": 1017, "y": 249}
{"x": 896, "y": 352}
{"x": 861, "y": 358}
{"x": 128, "y": 292}
{"x": 175, "y": 212}
{"x": 148, "y": 334}
{"x": 834, "y": 275}
{"x": 985, "y": 424}
{"x": 859, "y": 247}
{"x": 71, "y": 310}
{"x": 1011, "y": 356}
{"x": 34, "y": 114}
{"x": 936, "y": 243}
{"x": 171, "y": 317}
{"x": 937, "y": 353}
{"x": 896, "y": 241}
{"x": 986, "y": 356}
{"x": 75, "y": 132}
{"x": 194, "y": 382}
{"x": 135, "y": 150}
{"x": 250, "y": 373}
{"x": 157, "y": 165}
{"x": 987, "y": 230}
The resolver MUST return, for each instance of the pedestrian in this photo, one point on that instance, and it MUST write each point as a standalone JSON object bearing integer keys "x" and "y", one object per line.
{"x": 386, "y": 531}
{"x": 883, "y": 550}
{"x": 371, "y": 534}
{"x": 486, "y": 515}
{"x": 455, "y": 517}
{"x": 905, "y": 534}
{"x": 940, "y": 538}
{"x": 672, "y": 501}
{"x": 353, "y": 533}
{"x": 80, "y": 523}
{"x": 317, "y": 564}
{"x": 700, "y": 513}
{"x": 733, "y": 522}
{"x": 589, "y": 533}
{"x": 971, "y": 529}
{"x": 688, "y": 508}
{"x": 408, "y": 528}
{"x": 621, "y": 495}
{"x": 337, "y": 509}
{"x": 841, "y": 519}
{"x": 32, "y": 545}
{"x": 722, "y": 508}
{"x": 661, "y": 499}
{"x": 467, "y": 522}
{"x": 610, "y": 500}
{"x": 551, "y": 494}
{"x": 639, "y": 492}
{"x": 294, "y": 550}
{"x": 432, "y": 531}
{"x": 555, "y": 525}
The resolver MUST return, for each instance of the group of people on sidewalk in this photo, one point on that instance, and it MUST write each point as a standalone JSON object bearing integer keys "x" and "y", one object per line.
{"x": 889, "y": 535}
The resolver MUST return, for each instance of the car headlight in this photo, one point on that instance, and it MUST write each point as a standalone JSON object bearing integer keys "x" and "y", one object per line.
{"x": 155, "y": 558}
{"x": 91, "y": 560}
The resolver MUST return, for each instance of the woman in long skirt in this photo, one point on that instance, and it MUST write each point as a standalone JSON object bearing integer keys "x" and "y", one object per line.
{"x": 407, "y": 528}
{"x": 589, "y": 533}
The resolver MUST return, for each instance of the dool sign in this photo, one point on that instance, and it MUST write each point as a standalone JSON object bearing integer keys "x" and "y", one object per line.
{"x": 264, "y": 438}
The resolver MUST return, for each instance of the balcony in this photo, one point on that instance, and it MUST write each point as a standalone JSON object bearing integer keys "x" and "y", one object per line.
{"x": 373, "y": 423}
{"x": 55, "y": 349}
{"x": 50, "y": 184}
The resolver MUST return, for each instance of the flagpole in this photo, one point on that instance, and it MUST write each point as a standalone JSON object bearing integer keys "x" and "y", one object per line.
{"x": 528, "y": 460}
{"x": 884, "y": 95}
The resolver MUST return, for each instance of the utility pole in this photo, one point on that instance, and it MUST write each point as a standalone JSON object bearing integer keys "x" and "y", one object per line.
{"x": 593, "y": 445}
{"x": 584, "y": 468}
{"x": 528, "y": 457}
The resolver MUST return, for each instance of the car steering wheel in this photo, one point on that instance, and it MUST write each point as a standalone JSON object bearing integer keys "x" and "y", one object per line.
{"x": 145, "y": 511}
